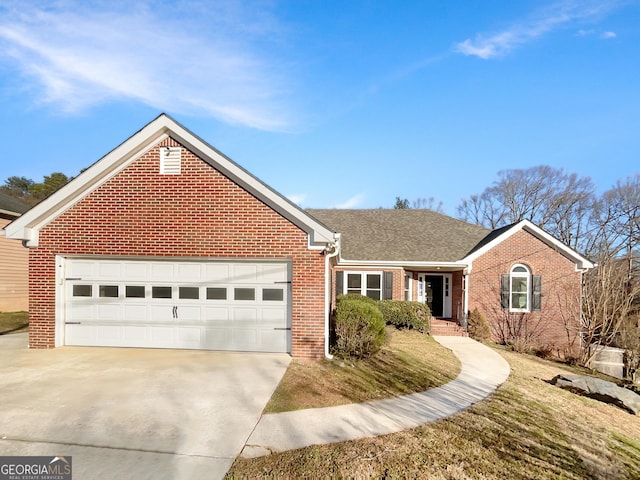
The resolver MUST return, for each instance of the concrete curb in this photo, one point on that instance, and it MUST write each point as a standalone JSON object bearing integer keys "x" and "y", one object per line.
{"x": 482, "y": 371}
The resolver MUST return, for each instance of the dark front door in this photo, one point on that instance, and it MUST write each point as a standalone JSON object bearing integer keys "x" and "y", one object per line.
{"x": 433, "y": 294}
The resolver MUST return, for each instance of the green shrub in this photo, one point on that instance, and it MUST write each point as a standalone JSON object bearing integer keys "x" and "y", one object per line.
{"x": 478, "y": 327}
{"x": 356, "y": 296}
{"x": 404, "y": 314}
{"x": 359, "y": 327}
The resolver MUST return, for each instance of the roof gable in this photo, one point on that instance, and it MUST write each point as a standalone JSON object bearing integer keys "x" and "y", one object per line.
{"x": 27, "y": 227}
{"x": 501, "y": 234}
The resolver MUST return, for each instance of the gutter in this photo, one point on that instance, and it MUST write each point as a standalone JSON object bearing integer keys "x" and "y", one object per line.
{"x": 330, "y": 251}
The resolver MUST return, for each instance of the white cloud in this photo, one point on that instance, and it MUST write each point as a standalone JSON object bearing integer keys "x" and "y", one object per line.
{"x": 607, "y": 35}
{"x": 215, "y": 62}
{"x": 352, "y": 202}
{"x": 297, "y": 198}
{"x": 556, "y": 16}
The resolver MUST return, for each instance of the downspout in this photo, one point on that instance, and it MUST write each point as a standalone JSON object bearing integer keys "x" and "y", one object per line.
{"x": 467, "y": 271}
{"x": 331, "y": 251}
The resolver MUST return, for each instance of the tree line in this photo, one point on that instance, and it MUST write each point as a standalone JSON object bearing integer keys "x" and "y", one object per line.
{"x": 31, "y": 192}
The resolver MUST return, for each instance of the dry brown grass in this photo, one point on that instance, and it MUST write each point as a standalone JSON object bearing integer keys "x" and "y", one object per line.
{"x": 411, "y": 362}
{"x": 528, "y": 429}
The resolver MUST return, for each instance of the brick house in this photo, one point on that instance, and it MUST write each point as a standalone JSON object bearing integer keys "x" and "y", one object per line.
{"x": 14, "y": 260}
{"x": 527, "y": 283}
{"x": 167, "y": 243}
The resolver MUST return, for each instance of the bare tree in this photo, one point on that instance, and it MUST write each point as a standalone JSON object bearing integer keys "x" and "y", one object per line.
{"x": 554, "y": 200}
{"x": 428, "y": 203}
{"x": 609, "y": 303}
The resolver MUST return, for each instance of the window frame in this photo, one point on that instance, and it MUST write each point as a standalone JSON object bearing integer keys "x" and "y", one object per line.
{"x": 408, "y": 287}
{"x": 363, "y": 282}
{"x": 527, "y": 290}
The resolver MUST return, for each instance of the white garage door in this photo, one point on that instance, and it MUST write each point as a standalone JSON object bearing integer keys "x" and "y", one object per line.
{"x": 167, "y": 304}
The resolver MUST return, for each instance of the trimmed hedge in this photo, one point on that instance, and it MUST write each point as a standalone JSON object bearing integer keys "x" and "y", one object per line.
{"x": 405, "y": 314}
{"x": 359, "y": 327}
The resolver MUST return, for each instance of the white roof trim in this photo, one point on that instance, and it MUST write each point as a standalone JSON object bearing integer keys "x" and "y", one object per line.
{"x": 9, "y": 212}
{"x": 28, "y": 225}
{"x": 526, "y": 225}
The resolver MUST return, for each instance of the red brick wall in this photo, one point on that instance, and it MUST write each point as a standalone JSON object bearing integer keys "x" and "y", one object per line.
{"x": 555, "y": 325}
{"x": 457, "y": 295}
{"x": 199, "y": 213}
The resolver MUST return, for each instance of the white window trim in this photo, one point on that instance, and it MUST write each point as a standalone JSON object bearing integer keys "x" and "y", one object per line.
{"x": 526, "y": 275}
{"x": 363, "y": 282}
{"x": 408, "y": 289}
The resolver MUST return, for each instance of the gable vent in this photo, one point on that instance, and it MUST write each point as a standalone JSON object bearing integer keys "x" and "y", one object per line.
{"x": 170, "y": 160}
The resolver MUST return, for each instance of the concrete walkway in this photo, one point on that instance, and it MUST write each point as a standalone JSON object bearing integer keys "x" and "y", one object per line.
{"x": 483, "y": 370}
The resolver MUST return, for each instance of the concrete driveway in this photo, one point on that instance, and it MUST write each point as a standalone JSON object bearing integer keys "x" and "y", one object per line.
{"x": 133, "y": 413}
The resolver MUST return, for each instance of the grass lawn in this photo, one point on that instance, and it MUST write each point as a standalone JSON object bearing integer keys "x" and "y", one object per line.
{"x": 528, "y": 429}
{"x": 410, "y": 362}
{"x": 14, "y": 322}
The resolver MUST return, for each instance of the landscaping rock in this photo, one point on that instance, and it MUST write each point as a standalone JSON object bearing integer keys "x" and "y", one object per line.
{"x": 601, "y": 390}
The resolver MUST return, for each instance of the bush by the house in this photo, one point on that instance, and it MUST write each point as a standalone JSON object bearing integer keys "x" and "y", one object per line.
{"x": 478, "y": 327}
{"x": 404, "y": 314}
{"x": 359, "y": 327}
{"x": 357, "y": 296}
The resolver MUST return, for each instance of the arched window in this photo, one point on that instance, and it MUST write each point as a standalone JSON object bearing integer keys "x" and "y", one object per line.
{"x": 519, "y": 288}
{"x": 520, "y": 291}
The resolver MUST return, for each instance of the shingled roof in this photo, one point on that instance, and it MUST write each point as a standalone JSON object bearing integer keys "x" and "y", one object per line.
{"x": 402, "y": 235}
{"x": 12, "y": 205}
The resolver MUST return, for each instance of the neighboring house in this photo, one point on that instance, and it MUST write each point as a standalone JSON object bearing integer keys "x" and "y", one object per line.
{"x": 165, "y": 242}
{"x": 527, "y": 283}
{"x": 14, "y": 260}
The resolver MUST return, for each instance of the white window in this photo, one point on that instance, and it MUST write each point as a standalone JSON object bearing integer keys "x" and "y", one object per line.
{"x": 519, "y": 288}
{"x": 407, "y": 287}
{"x": 368, "y": 284}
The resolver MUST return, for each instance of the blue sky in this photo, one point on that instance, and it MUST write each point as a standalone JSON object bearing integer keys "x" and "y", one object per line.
{"x": 333, "y": 104}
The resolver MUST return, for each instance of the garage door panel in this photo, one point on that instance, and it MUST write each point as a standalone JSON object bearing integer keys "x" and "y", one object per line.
{"x": 189, "y": 314}
{"x": 217, "y": 273}
{"x": 273, "y": 339}
{"x": 82, "y": 269}
{"x": 109, "y": 270}
{"x": 213, "y": 314}
{"x": 136, "y": 271}
{"x": 136, "y": 335}
{"x": 275, "y": 316}
{"x": 109, "y": 313}
{"x": 177, "y": 304}
{"x": 162, "y": 271}
{"x": 218, "y": 339}
{"x": 186, "y": 272}
{"x": 189, "y": 337}
{"x": 163, "y": 336}
{"x": 111, "y": 334}
{"x": 245, "y": 315}
{"x": 80, "y": 312}
{"x": 80, "y": 335}
{"x": 160, "y": 313}
{"x": 273, "y": 273}
{"x": 247, "y": 274}
{"x": 245, "y": 338}
{"x": 134, "y": 313}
